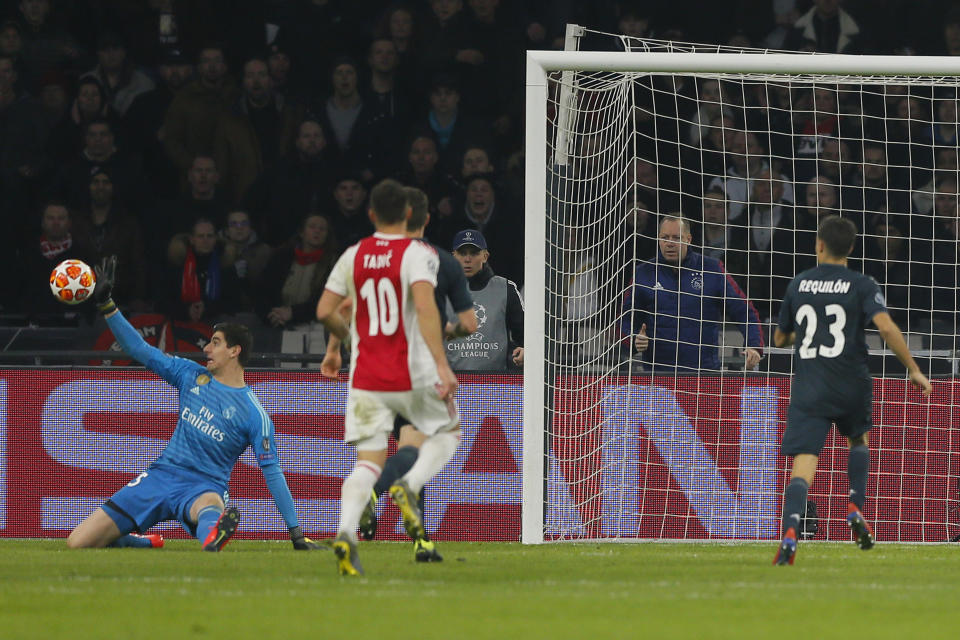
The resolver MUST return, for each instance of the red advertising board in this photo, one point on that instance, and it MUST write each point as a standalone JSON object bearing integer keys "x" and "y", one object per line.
{"x": 682, "y": 457}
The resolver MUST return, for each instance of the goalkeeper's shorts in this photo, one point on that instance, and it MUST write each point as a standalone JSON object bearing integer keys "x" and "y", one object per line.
{"x": 159, "y": 494}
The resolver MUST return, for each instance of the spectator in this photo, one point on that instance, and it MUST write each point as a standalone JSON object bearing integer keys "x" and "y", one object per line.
{"x": 297, "y": 184}
{"x": 107, "y": 229}
{"x": 178, "y": 215}
{"x": 717, "y": 235}
{"x": 887, "y": 260}
{"x": 54, "y": 98}
{"x": 21, "y": 137}
{"x": 201, "y": 286}
{"x": 945, "y": 163}
{"x": 873, "y": 190}
{"x": 37, "y": 259}
{"x": 745, "y": 161}
{"x": 46, "y": 47}
{"x": 710, "y": 108}
{"x": 11, "y": 46}
{"x": 448, "y": 42}
{"x": 385, "y": 92}
{"x": 245, "y": 253}
{"x": 490, "y": 90}
{"x": 498, "y": 341}
{"x": 501, "y": 224}
{"x": 353, "y": 126}
{"x": 951, "y": 32}
{"x": 821, "y": 198}
{"x": 768, "y": 257}
{"x": 825, "y": 28}
{"x": 423, "y": 173}
{"x": 476, "y": 159}
{"x": 117, "y": 74}
{"x": 143, "y": 122}
{"x": 316, "y": 32}
{"x": 674, "y": 309}
{"x": 261, "y": 126}
{"x": 295, "y": 274}
{"x": 451, "y": 129}
{"x": 834, "y": 161}
{"x": 191, "y": 120}
{"x": 100, "y": 151}
{"x": 67, "y": 136}
{"x": 350, "y": 220}
{"x": 943, "y": 129}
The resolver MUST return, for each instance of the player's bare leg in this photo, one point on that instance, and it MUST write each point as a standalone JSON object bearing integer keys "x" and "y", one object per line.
{"x": 794, "y": 505}
{"x": 98, "y": 530}
{"x": 857, "y": 465}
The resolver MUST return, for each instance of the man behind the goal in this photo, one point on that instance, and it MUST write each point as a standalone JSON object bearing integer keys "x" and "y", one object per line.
{"x": 830, "y": 306}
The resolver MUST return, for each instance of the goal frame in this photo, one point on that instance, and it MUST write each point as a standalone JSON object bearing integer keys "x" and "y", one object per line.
{"x": 538, "y": 65}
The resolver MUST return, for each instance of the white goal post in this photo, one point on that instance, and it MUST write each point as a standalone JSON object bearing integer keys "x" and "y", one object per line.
{"x": 581, "y": 477}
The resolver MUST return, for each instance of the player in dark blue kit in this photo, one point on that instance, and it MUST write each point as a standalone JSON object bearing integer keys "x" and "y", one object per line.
{"x": 830, "y": 306}
{"x": 219, "y": 418}
{"x": 452, "y": 286}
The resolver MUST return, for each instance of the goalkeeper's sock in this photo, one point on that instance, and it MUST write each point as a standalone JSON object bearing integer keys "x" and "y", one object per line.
{"x": 132, "y": 540}
{"x": 857, "y": 465}
{"x": 435, "y": 452}
{"x": 397, "y": 465}
{"x": 354, "y": 495}
{"x": 794, "y": 504}
{"x": 207, "y": 520}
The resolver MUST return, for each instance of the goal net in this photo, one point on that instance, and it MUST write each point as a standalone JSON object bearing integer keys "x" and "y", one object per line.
{"x": 750, "y": 149}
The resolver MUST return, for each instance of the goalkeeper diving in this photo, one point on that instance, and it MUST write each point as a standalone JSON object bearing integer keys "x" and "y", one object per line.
{"x": 219, "y": 417}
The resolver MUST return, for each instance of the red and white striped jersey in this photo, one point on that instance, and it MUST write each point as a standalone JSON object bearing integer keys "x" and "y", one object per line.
{"x": 389, "y": 351}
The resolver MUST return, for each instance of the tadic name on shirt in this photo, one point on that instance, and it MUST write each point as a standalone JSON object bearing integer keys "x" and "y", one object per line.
{"x": 202, "y": 422}
{"x": 377, "y": 260}
{"x": 824, "y": 286}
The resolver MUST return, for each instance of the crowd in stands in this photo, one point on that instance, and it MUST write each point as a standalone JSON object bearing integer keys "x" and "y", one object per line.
{"x": 224, "y": 149}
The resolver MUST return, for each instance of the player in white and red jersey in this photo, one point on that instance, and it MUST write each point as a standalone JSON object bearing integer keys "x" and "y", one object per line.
{"x": 399, "y": 364}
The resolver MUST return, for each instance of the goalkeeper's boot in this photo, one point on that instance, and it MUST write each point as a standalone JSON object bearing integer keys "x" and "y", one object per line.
{"x": 787, "y": 549}
{"x": 155, "y": 539}
{"x": 862, "y": 534}
{"x": 406, "y": 500}
{"x": 220, "y": 534}
{"x": 368, "y": 519}
{"x": 348, "y": 562}
{"x": 425, "y": 550}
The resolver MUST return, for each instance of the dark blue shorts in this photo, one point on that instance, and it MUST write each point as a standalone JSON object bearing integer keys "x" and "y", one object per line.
{"x": 806, "y": 433}
{"x": 159, "y": 494}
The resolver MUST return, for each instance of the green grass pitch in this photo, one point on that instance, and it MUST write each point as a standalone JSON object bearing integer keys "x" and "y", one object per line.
{"x": 482, "y": 590}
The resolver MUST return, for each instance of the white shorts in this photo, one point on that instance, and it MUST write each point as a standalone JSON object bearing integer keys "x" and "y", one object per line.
{"x": 370, "y": 415}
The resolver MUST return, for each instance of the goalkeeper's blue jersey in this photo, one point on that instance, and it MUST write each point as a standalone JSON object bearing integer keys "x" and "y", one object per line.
{"x": 216, "y": 423}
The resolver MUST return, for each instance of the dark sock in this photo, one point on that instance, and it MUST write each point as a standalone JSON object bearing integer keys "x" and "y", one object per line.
{"x": 130, "y": 541}
{"x": 857, "y": 465}
{"x": 396, "y": 466}
{"x": 207, "y": 520}
{"x": 794, "y": 504}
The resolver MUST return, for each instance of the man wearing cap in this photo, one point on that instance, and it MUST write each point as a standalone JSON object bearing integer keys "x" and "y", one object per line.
{"x": 498, "y": 340}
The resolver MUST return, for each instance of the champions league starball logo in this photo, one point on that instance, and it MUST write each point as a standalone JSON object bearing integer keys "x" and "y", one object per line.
{"x": 481, "y": 312}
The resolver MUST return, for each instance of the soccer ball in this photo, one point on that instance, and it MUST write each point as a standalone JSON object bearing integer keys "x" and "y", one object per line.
{"x": 72, "y": 281}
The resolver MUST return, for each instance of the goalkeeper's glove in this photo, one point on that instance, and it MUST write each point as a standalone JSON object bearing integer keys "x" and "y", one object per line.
{"x": 300, "y": 542}
{"x": 106, "y": 272}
